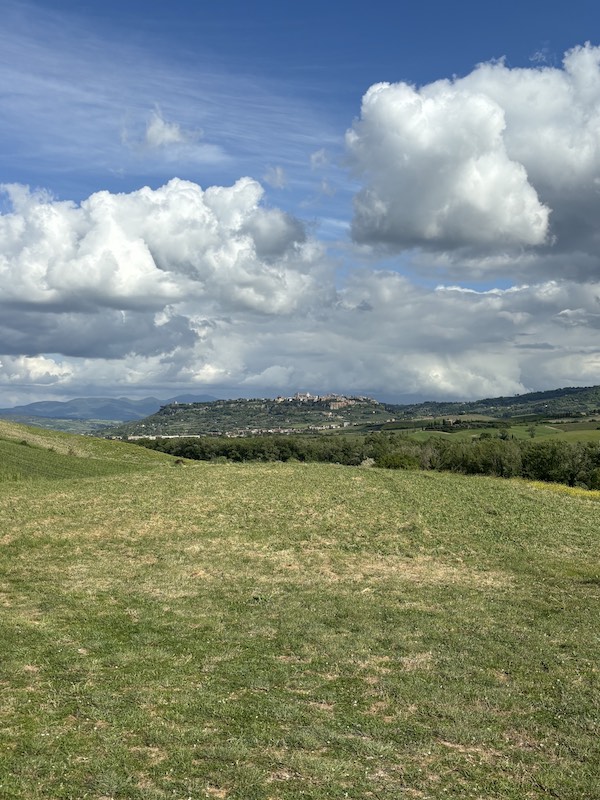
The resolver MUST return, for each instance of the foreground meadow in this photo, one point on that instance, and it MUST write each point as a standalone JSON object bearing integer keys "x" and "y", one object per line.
{"x": 286, "y": 630}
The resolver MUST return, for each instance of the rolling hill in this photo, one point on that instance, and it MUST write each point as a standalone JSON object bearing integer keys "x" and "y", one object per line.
{"x": 28, "y": 453}
{"x": 302, "y": 413}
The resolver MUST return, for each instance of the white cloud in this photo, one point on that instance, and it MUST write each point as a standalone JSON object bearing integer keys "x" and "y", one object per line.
{"x": 37, "y": 370}
{"x": 464, "y": 343}
{"x": 179, "y": 286}
{"x": 147, "y": 273}
{"x": 501, "y": 164}
{"x": 438, "y": 172}
{"x": 160, "y": 133}
{"x": 151, "y": 247}
{"x": 249, "y": 332}
{"x": 164, "y": 145}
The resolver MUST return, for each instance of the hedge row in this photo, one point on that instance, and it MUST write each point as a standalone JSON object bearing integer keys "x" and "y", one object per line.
{"x": 556, "y": 461}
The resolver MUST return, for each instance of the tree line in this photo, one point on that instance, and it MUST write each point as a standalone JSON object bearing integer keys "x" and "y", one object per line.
{"x": 555, "y": 461}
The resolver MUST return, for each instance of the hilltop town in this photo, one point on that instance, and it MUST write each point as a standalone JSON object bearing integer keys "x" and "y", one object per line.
{"x": 301, "y": 412}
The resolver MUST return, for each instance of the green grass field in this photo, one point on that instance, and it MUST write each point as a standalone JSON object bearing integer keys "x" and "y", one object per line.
{"x": 279, "y": 631}
{"x": 33, "y": 453}
{"x": 573, "y": 432}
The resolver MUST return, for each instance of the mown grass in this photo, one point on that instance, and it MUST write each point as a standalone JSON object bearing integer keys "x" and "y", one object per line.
{"x": 278, "y": 631}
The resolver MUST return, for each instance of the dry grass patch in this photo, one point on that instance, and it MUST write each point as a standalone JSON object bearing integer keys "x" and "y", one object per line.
{"x": 417, "y": 661}
{"x": 283, "y": 774}
{"x": 155, "y": 755}
{"x": 216, "y": 792}
{"x": 322, "y": 705}
{"x": 312, "y": 566}
{"x": 593, "y": 495}
{"x": 292, "y": 659}
{"x": 478, "y": 752}
{"x": 381, "y": 709}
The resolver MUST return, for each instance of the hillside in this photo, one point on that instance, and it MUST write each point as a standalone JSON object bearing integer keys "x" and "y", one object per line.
{"x": 305, "y": 413}
{"x": 28, "y": 453}
{"x": 555, "y": 402}
{"x": 242, "y": 417}
{"x": 288, "y": 630}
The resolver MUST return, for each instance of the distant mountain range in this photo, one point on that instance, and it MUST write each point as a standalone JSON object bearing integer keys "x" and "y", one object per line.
{"x": 113, "y": 409}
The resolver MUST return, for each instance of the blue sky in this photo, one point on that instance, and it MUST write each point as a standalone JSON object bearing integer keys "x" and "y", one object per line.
{"x": 265, "y": 82}
{"x": 436, "y": 238}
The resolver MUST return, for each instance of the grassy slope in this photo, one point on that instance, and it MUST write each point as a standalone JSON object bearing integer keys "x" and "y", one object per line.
{"x": 28, "y": 452}
{"x": 80, "y": 426}
{"x": 286, "y": 630}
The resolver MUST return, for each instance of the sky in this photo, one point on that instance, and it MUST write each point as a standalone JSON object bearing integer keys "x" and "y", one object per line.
{"x": 253, "y": 199}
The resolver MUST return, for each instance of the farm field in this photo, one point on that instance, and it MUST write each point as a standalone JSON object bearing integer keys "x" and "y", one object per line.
{"x": 566, "y": 432}
{"x": 276, "y": 631}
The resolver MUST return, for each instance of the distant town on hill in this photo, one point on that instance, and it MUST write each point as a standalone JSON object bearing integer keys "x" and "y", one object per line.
{"x": 300, "y": 412}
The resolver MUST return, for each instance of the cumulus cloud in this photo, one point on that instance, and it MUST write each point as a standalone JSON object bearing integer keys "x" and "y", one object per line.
{"x": 165, "y": 144}
{"x": 37, "y": 370}
{"x": 151, "y": 247}
{"x": 501, "y": 162}
{"x": 181, "y": 287}
{"x": 454, "y": 342}
{"x": 146, "y": 273}
{"x": 439, "y": 172}
{"x": 376, "y": 332}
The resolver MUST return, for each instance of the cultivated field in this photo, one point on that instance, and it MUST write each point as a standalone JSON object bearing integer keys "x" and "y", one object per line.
{"x": 567, "y": 432}
{"x": 276, "y": 631}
